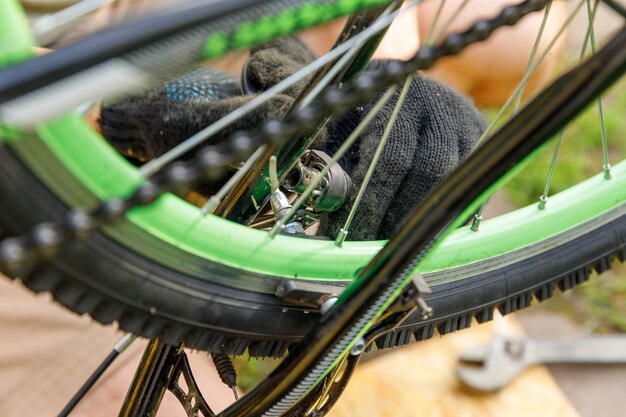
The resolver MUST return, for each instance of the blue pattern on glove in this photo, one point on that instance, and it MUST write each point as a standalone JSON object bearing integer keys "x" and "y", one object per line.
{"x": 204, "y": 84}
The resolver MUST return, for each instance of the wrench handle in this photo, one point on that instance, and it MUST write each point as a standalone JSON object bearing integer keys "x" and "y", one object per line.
{"x": 596, "y": 349}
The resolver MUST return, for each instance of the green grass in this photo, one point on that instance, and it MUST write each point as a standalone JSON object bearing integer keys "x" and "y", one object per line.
{"x": 581, "y": 152}
{"x": 251, "y": 371}
{"x": 604, "y": 301}
{"x": 600, "y": 304}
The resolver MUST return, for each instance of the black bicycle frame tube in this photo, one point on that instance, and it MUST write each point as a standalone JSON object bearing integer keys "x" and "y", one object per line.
{"x": 28, "y": 76}
{"x": 151, "y": 380}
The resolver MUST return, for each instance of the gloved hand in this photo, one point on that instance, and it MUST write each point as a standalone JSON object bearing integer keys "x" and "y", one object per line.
{"x": 436, "y": 129}
{"x": 155, "y": 122}
{"x": 147, "y": 126}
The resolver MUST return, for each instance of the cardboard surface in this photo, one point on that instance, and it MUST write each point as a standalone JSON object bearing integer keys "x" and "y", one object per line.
{"x": 420, "y": 380}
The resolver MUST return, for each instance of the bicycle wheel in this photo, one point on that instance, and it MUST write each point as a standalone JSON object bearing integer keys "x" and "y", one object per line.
{"x": 164, "y": 270}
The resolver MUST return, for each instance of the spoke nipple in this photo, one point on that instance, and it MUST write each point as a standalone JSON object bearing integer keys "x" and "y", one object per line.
{"x": 607, "y": 171}
{"x": 278, "y": 226}
{"x": 543, "y": 200}
{"x": 210, "y": 205}
{"x": 476, "y": 222}
{"x": 341, "y": 237}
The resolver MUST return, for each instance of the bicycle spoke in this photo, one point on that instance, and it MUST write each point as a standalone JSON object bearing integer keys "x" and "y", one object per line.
{"x": 518, "y": 93}
{"x": 589, "y": 40}
{"x": 340, "y": 152}
{"x": 606, "y": 167}
{"x": 536, "y": 65}
{"x": 343, "y": 233}
{"x": 449, "y": 21}
{"x": 531, "y": 60}
{"x": 478, "y": 217}
{"x": 431, "y": 29}
{"x": 544, "y": 197}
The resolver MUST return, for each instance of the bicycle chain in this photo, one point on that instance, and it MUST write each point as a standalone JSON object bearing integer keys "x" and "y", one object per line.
{"x": 45, "y": 239}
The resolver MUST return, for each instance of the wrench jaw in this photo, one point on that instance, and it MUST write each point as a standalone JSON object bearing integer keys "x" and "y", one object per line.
{"x": 475, "y": 355}
{"x": 487, "y": 380}
{"x": 495, "y": 364}
{"x": 506, "y": 357}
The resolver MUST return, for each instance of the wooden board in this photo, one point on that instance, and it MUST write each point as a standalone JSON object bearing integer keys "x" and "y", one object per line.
{"x": 420, "y": 380}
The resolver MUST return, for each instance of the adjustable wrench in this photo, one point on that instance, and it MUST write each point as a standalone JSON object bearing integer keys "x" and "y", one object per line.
{"x": 505, "y": 357}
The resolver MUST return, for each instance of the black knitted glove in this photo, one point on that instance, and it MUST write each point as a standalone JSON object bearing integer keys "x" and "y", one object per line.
{"x": 147, "y": 126}
{"x": 271, "y": 63}
{"x": 151, "y": 124}
{"x": 435, "y": 130}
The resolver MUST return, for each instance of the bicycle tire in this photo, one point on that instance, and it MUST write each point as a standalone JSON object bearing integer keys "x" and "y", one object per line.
{"x": 456, "y": 302}
{"x": 183, "y": 311}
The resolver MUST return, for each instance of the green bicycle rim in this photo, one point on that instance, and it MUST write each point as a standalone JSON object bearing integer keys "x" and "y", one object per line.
{"x": 105, "y": 174}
